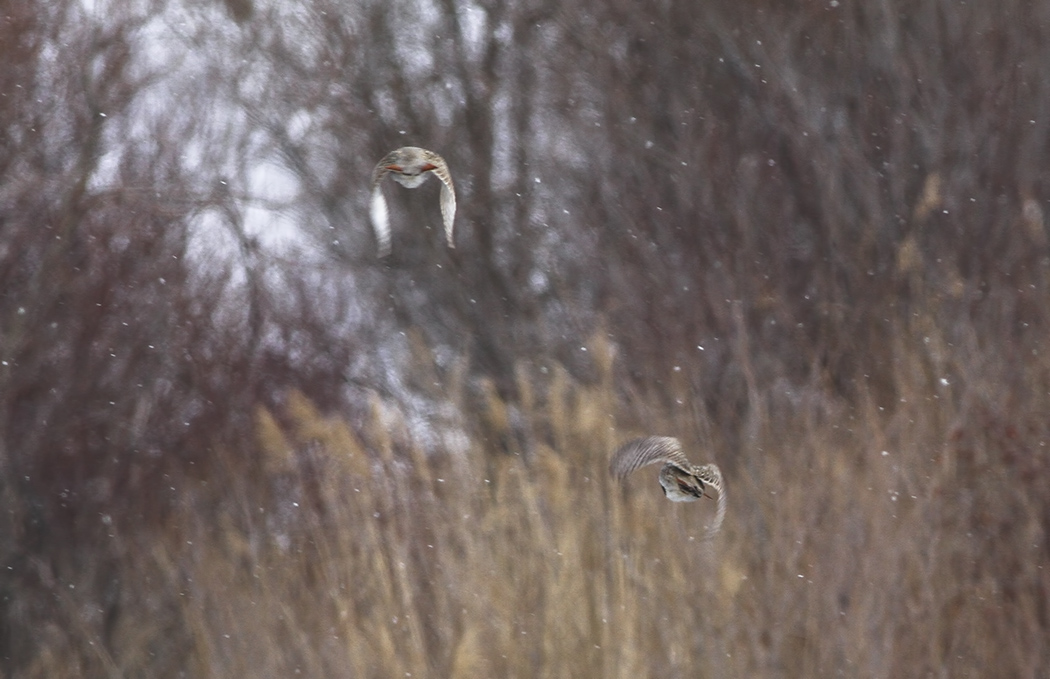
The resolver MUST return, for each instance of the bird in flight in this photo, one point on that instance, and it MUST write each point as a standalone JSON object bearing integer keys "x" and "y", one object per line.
{"x": 681, "y": 480}
{"x": 410, "y": 166}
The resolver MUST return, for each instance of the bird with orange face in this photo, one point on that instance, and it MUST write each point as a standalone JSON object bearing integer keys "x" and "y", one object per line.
{"x": 410, "y": 166}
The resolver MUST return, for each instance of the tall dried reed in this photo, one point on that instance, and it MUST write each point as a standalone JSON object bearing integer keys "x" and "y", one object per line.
{"x": 861, "y": 541}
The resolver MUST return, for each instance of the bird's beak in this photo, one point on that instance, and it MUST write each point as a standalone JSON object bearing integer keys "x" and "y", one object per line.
{"x": 394, "y": 168}
{"x": 428, "y": 167}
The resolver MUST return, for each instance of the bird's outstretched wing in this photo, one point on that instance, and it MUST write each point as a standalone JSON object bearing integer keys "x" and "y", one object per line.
{"x": 711, "y": 475}
{"x": 380, "y": 217}
{"x": 383, "y": 167}
{"x": 448, "y": 195}
{"x": 378, "y": 211}
{"x": 645, "y": 451}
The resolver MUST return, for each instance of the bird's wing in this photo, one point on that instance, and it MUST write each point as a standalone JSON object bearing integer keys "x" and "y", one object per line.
{"x": 448, "y": 195}
{"x": 381, "y": 170}
{"x": 378, "y": 211}
{"x": 711, "y": 475}
{"x": 380, "y": 221}
{"x": 645, "y": 451}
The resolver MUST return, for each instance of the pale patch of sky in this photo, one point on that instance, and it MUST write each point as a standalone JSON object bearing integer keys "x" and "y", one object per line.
{"x": 447, "y": 101}
{"x": 475, "y": 26}
{"x": 413, "y": 48}
{"x": 504, "y": 33}
{"x": 386, "y": 107}
{"x": 101, "y": 9}
{"x": 273, "y": 182}
{"x": 212, "y": 242}
{"x": 504, "y": 170}
{"x": 299, "y": 125}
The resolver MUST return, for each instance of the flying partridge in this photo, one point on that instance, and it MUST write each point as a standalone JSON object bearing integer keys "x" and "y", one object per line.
{"x": 681, "y": 480}
{"x": 410, "y": 166}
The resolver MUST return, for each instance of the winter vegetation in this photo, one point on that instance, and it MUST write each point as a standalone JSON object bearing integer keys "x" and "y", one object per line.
{"x": 806, "y": 238}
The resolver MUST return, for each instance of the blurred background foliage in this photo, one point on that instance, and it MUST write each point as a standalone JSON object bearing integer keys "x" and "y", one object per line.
{"x": 806, "y": 237}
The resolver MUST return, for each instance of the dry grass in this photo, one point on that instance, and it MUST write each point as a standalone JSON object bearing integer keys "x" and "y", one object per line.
{"x": 860, "y": 542}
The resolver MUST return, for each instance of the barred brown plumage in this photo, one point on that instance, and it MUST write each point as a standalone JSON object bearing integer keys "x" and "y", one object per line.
{"x": 410, "y": 165}
{"x": 681, "y": 480}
